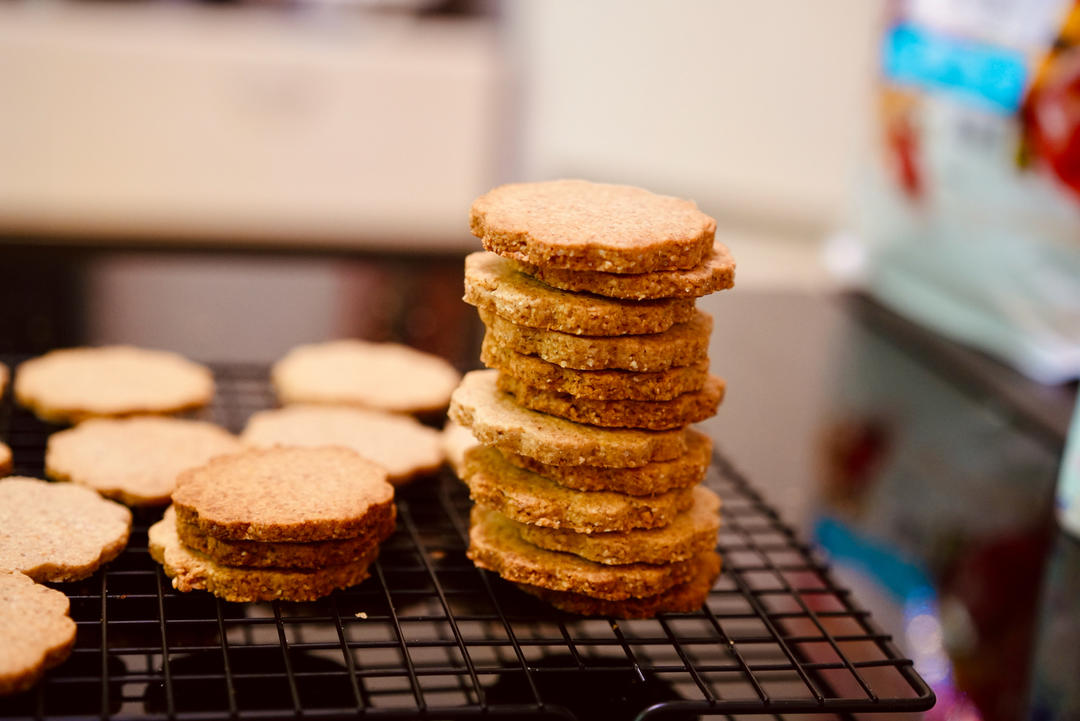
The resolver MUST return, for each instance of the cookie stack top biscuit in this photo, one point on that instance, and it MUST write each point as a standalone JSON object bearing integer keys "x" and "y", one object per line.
{"x": 585, "y": 471}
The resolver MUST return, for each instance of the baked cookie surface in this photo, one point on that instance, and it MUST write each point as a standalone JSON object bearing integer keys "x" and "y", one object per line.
{"x": 268, "y": 554}
{"x": 581, "y": 225}
{"x": 685, "y": 597}
{"x": 496, "y": 420}
{"x": 58, "y": 531}
{"x": 601, "y": 385}
{"x": 681, "y": 345}
{"x": 134, "y": 460}
{"x": 284, "y": 494}
{"x": 687, "y": 470}
{"x": 529, "y": 498}
{"x": 384, "y": 376}
{"x": 495, "y": 544}
{"x": 73, "y": 384}
{"x": 689, "y": 533}
{"x": 715, "y": 272}
{"x": 492, "y": 284}
{"x": 682, "y": 410}
{"x": 399, "y": 443}
{"x": 191, "y": 570}
{"x": 36, "y": 632}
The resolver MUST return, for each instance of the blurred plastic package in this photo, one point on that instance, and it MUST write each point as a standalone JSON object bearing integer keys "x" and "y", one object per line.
{"x": 968, "y": 210}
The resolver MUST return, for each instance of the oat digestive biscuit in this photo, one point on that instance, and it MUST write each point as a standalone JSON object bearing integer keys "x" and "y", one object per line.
{"x": 36, "y": 632}
{"x": 716, "y": 272}
{"x": 529, "y": 498}
{"x": 399, "y": 443}
{"x": 134, "y": 460}
{"x": 58, "y": 531}
{"x": 285, "y": 494}
{"x": 191, "y": 570}
{"x": 681, "y": 345}
{"x": 73, "y": 384}
{"x": 680, "y": 411}
{"x": 383, "y": 376}
{"x": 492, "y": 284}
{"x": 578, "y": 225}
{"x": 496, "y": 420}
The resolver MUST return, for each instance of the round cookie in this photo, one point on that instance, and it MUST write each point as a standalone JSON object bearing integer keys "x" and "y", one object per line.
{"x": 580, "y": 225}
{"x": 495, "y": 544}
{"x": 191, "y": 570}
{"x": 58, "y": 531}
{"x": 687, "y": 470}
{"x": 400, "y": 444}
{"x": 496, "y": 420}
{"x": 716, "y": 272}
{"x": 285, "y": 494}
{"x": 680, "y": 411}
{"x": 682, "y": 344}
{"x": 6, "y": 460}
{"x": 263, "y": 554}
{"x": 691, "y": 532}
{"x": 73, "y": 384}
{"x": 601, "y": 385}
{"x": 686, "y": 597}
{"x": 134, "y": 460}
{"x": 4, "y": 375}
{"x": 457, "y": 439}
{"x": 528, "y": 498}
{"x": 36, "y": 632}
{"x": 385, "y": 376}
{"x": 492, "y": 284}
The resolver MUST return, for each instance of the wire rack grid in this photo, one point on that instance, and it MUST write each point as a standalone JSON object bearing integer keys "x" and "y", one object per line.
{"x": 431, "y": 636}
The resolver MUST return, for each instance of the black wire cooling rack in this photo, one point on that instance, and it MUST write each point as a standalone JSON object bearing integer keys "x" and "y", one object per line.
{"x": 430, "y": 636}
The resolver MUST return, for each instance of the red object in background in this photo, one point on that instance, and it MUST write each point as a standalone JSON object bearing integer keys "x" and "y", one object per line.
{"x": 1053, "y": 115}
{"x": 903, "y": 143}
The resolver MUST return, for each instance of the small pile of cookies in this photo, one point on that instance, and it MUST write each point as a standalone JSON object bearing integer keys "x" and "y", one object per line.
{"x": 280, "y": 523}
{"x": 587, "y": 476}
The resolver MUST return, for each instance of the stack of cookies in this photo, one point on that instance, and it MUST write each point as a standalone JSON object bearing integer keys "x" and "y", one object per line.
{"x": 587, "y": 477}
{"x": 289, "y": 524}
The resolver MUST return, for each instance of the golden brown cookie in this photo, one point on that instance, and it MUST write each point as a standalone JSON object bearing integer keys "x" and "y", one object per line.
{"x": 73, "y": 384}
{"x": 134, "y": 460}
{"x": 715, "y": 272}
{"x": 457, "y": 439}
{"x": 528, "y": 498}
{"x": 681, "y": 345}
{"x": 687, "y": 470}
{"x": 4, "y": 374}
{"x": 264, "y": 554}
{"x": 399, "y": 443}
{"x": 192, "y": 570}
{"x": 285, "y": 494}
{"x": 36, "y": 632}
{"x": 601, "y": 385}
{"x": 6, "y": 460}
{"x": 385, "y": 376}
{"x": 496, "y": 420}
{"x": 580, "y": 225}
{"x": 492, "y": 284}
{"x": 494, "y": 544}
{"x": 686, "y": 597}
{"x": 682, "y": 410}
{"x": 691, "y": 532}
{"x": 58, "y": 531}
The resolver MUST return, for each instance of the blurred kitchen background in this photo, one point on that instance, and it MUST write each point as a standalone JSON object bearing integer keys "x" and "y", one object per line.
{"x": 897, "y": 181}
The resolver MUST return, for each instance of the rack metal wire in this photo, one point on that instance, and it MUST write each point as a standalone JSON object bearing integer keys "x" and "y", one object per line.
{"x": 430, "y": 636}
